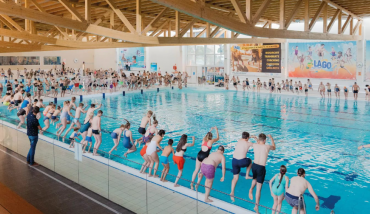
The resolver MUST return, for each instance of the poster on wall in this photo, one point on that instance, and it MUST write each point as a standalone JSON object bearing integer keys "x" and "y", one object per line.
{"x": 19, "y": 60}
{"x": 52, "y": 60}
{"x": 135, "y": 57}
{"x": 153, "y": 67}
{"x": 367, "y": 57}
{"x": 262, "y": 57}
{"x": 213, "y": 74}
{"x": 331, "y": 60}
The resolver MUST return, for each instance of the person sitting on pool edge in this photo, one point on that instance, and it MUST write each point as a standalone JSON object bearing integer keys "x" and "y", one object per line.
{"x": 261, "y": 151}
{"x": 208, "y": 169}
{"x": 281, "y": 182}
{"x": 240, "y": 160}
{"x": 298, "y": 186}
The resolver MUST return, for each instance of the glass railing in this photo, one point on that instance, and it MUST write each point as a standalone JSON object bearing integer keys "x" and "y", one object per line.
{"x": 120, "y": 181}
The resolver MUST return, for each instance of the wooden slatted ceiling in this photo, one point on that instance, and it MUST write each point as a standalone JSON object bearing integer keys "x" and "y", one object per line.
{"x": 150, "y": 10}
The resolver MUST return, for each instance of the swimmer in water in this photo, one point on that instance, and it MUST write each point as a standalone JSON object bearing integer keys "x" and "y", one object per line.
{"x": 240, "y": 160}
{"x": 298, "y": 185}
{"x": 278, "y": 185}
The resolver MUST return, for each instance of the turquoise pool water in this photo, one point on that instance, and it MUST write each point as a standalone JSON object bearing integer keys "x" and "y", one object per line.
{"x": 319, "y": 135}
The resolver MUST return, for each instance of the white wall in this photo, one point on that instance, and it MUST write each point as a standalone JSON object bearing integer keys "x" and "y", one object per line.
{"x": 105, "y": 58}
{"x": 68, "y": 57}
{"x": 165, "y": 57}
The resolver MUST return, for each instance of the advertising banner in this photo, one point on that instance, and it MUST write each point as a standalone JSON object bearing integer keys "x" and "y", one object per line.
{"x": 19, "y": 60}
{"x": 263, "y": 57}
{"x": 153, "y": 67}
{"x": 331, "y": 60}
{"x": 135, "y": 57}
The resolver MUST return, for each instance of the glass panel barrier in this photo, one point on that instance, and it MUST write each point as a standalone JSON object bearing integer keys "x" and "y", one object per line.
{"x": 127, "y": 187}
{"x": 93, "y": 174}
{"x": 23, "y": 144}
{"x": 45, "y": 154}
{"x": 65, "y": 163}
{"x": 10, "y": 138}
{"x": 2, "y": 133}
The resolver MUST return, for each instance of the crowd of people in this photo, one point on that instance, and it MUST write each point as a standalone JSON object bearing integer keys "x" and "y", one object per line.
{"x": 294, "y": 87}
{"x": 67, "y": 118}
{"x": 55, "y": 82}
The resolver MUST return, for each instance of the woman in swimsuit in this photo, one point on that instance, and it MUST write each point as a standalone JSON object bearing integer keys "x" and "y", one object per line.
{"x": 345, "y": 92}
{"x": 127, "y": 140}
{"x": 178, "y": 158}
{"x": 64, "y": 117}
{"x": 204, "y": 152}
{"x": 278, "y": 184}
{"x": 151, "y": 153}
{"x": 84, "y": 131}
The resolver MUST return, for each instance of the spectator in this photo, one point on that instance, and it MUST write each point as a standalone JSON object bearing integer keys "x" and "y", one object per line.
{"x": 33, "y": 126}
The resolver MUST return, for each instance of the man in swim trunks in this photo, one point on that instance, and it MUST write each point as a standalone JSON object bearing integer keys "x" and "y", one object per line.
{"x": 328, "y": 86}
{"x": 355, "y": 89}
{"x": 298, "y": 186}
{"x": 92, "y": 109}
{"x": 261, "y": 151}
{"x": 96, "y": 130}
{"x": 144, "y": 122}
{"x": 208, "y": 169}
{"x": 240, "y": 160}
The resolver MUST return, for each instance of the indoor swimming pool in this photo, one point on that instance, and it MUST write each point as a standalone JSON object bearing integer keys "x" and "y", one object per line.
{"x": 319, "y": 135}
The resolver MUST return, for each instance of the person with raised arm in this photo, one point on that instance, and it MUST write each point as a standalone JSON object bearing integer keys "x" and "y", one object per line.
{"x": 298, "y": 185}
{"x": 204, "y": 152}
{"x": 261, "y": 151}
{"x": 178, "y": 157}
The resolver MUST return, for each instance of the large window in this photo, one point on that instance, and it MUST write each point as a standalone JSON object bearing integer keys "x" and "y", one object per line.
{"x": 201, "y": 55}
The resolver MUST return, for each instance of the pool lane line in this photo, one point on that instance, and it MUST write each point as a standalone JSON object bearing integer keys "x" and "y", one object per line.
{"x": 64, "y": 184}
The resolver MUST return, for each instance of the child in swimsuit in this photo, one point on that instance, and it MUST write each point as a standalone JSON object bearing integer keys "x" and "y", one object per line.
{"x": 73, "y": 137}
{"x": 164, "y": 159}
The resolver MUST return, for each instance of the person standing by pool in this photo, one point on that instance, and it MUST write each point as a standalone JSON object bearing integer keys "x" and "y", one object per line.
{"x": 96, "y": 130}
{"x": 151, "y": 152}
{"x": 337, "y": 91}
{"x": 208, "y": 169}
{"x": 178, "y": 157}
{"x": 355, "y": 89}
{"x": 144, "y": 122}
{"x": 204, "y": 152}
{"x": 281, "y": 182}
{"x": 33, "y": 126}
{"x": 321, "y": 89}
{"x": 298, "y": 186}
{"x": 240, "y": 160}
{"x": 328, "y": 86}
{"x": 309, "y": 84}
{"x": 164, "y": 159}
{"x": 345, "y": 91}
{"x": 261, "y": 151}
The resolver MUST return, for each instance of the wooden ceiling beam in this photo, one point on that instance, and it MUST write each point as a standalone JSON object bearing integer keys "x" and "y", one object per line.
{"x": 196, "y": 10}
{"x": 6, "y": 23}
{"x": 331, "y": 23}
{"x": 316, "y": 16}
{"x": 120, "y": 15}
{"x": 12, "y": 22}
{"x": 154, "y": 21}
{"x": 187, "y": 27}
{"x": 293, "y": 13}
{"x": 17, "y": 11}
{"x": 72, "y": 10}
{"x": 242, "y": 16}
{"x": 342, "y": 9}
{"x": 346, "y": 24}
{"x": 159, "y": 28}
{"x": 201, "y": 33}
{"x": 260, "y": 11}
